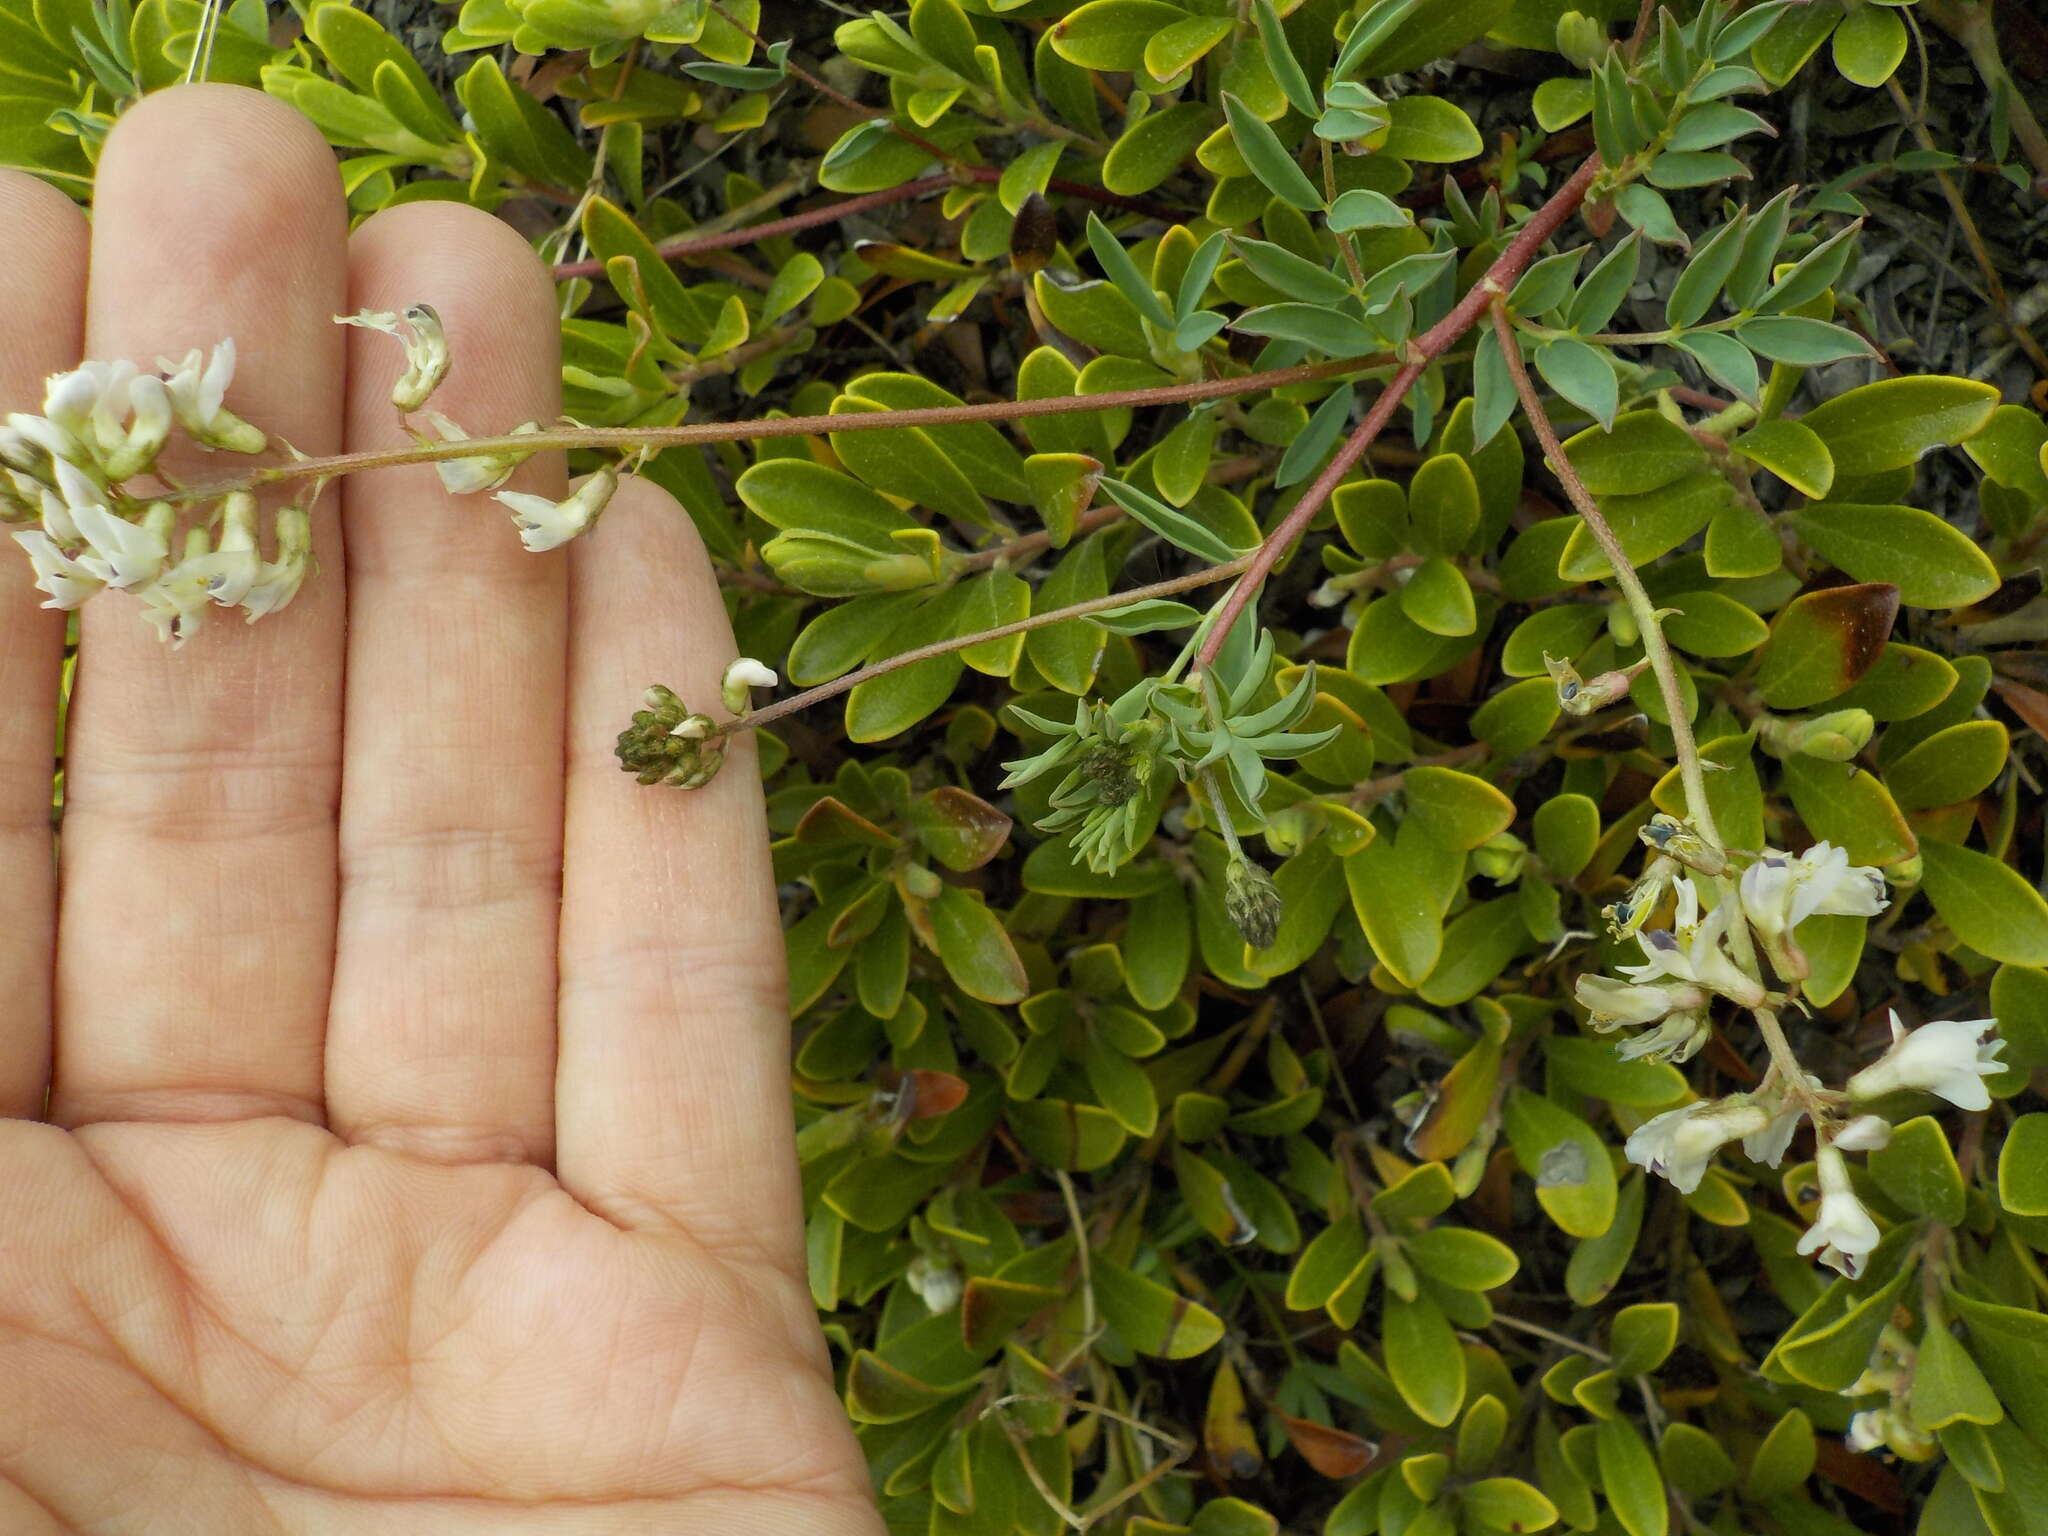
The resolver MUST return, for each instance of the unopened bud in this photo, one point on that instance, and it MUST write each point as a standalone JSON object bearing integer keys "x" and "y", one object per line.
{"x": 1866, "y": 1133}
{"x": 1252, "y": 901}
{"x": 1835, "y": 737}
{"x": 1628, "y": 915}
{"x": 740, "y": 679}
{"x": 1501, "y": 857}
{"x": 667, "y": 744}
{"x": 1581, "y": 39}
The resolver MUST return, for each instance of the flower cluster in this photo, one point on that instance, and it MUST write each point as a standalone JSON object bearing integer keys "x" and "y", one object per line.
{"x": 105, "y": 423}
{"x": 1707, "y": 955}
{"x": 1949, "y": 1059}
{"x": 1701, "y": 957}
{"x": 669, "y": 743}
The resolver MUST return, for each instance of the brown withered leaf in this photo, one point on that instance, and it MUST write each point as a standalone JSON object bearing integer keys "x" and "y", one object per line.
{"x": 1335, "y": 1453}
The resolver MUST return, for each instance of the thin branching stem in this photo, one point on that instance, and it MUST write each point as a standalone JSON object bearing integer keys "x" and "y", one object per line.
{"x": 683, "y": 247}
{"x": 789, "y": 706}
{"x": 653, "y": 439}
{"x": 1419, "y": 354}
{"x": 1644, "y": 611}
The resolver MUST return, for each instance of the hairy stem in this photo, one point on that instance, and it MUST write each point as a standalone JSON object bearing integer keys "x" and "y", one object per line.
{"x": 1654, "y": 647}
{"x": 656, "y": 438}
{"x": 1420, "y": 353}
{"x": 683, "y": 247}
{"x": 789, "y": 706}
{"x": 1785, "y": 1068}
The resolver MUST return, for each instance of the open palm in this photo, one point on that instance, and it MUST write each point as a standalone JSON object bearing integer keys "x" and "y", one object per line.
{"x": 416, "y": 1153}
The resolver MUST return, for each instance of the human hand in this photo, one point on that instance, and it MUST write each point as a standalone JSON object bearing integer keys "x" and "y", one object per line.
{"x": 418, "y": 1154}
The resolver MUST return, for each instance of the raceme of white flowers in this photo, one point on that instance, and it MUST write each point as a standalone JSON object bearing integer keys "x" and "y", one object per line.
{"x": 102, "y": 425}
{"x": 1704, "y": 956}
{"x": 65, "y": 473}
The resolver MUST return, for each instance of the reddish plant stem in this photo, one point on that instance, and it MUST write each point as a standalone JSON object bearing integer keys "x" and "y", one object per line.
{"x": 686, "y": 246}
{"x": 1031, "y": 545}
{"x": 1432, "y": 344}
{"x": 656, "y": 438}
{"x": 801, "y": 701}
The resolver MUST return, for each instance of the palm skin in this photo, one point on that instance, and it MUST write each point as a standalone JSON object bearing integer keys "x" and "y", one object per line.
{"x": 280, "y": 1332}
{"x": 394, "y": 1128}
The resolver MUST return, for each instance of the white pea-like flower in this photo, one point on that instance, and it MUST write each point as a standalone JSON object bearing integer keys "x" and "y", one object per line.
{"x": 28, "y": 440}
{"x": 1780, "y": 891}
{"x": 1768, "y": 1146}
{"x": 123, "y": 554}
{"x": 66, "y": 581}
{"x": 198, "y": 386}
{"x": 1680, "y": 1144}
{"x": 135, "y": 449}
{"x": 1693, "y": 951}
{"x": 1950, "y": 1058}
{"x": 545, "y": 524}
{"x": 1868, "y": 1430}
{"x": 236, "y": 563}
{"x": 86, "y": 400}
{"x": 744, "y": 675}
{"x": 1843, "y": 1234}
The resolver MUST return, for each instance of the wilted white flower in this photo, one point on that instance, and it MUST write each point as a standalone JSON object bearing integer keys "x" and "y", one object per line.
{"x": 1768, "y": 1145}
{"x": 1679, "y": 839}
{"x": 1680, "y": 1143}
{"x": 1628, "y": 915}
{"x": 1612, "y": 1004}
{"x": 545, "y": 524}
{"x": 1678, "y": 1039}
{"x": 1693, "y": 951}
{"x": 1779, "y": 892}
{"x": 68, "y": 582}
{"x": 197, "y": 387}
{"x": 1950, "y": 1058}
{"x": 740, "y": 678}
{"x": 1843, "y": 1234}
{"x": 426, "y": 349}
{"x": 478, "y": 472}
{"x": 278, "y": 583}
{"x": 175, "y": 603}
{"x": 121, "y": 553}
